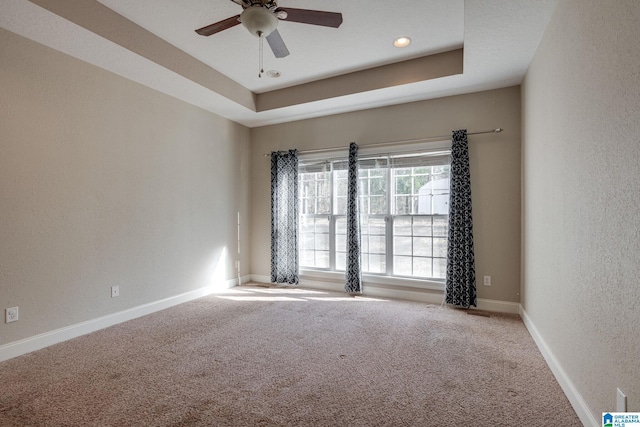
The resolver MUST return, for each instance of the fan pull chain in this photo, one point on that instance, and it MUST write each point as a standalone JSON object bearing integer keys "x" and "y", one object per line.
{"x": 260, "y": 53}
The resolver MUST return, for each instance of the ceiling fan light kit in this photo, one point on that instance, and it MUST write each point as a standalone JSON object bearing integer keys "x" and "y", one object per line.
{"x": 261, "y": 18}
{"x": 259, "y": 21}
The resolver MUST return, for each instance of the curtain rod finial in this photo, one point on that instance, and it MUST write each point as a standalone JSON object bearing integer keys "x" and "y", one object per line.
{"x": 498, "y": 130}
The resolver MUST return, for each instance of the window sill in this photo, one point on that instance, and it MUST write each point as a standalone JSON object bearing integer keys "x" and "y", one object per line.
{"x": 374, "y": 279}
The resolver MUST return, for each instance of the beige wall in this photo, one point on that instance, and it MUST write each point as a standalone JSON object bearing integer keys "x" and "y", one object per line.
{"x": 494, "y": 160}
{"x": 581, "y": 157}
{"x": 106, "y": 182}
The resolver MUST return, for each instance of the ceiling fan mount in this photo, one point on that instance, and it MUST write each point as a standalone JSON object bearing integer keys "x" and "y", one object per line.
{"x": 261, "y": 18}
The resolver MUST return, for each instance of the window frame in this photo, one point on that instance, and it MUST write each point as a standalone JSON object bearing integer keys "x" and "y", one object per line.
{"x": 386, "y": 278}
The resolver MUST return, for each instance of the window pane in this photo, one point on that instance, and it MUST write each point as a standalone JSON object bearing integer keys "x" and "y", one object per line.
{"x": 376, "y": 244}
{"x": 377, "y": 264}
{"x": 414, "y": 205}
{"x": 402, "y": 226}
{"x": 440, "y": 247}
{"x": 422, "y": 246}
{"x": 363, "y": 188}
{"x": 341, "y": 186}
{"x": 422, "y": 267}
{"x": 403, "y": 205}
{"x": 422, "y": 226}
{"x": 341, "y": 242}
{"x": 308, "y": 188}
{"x": 402, "y": 265}
{"x": 307, "y": 241}
{"x": 402, "y": 246}
{"x": 378, "y": 187}
{"x": 364, "y": 205}
{"x": 306, "y": 206}
{"x": 341, "y": 261}
{"x": 324, "y": 205}
{"x": 322, "y": 225}
{"x": 439, "y": 268}
{"x": 419, "y": 181}
{"x": 378, "y": 205}
{"x": 323, "y": 189}
{"x": 364, "y": 244}
{"x": 365, "y": 263}
{"x": 440, "y": 226}
{"x": 307, "y": 224}
{"x": 322, "y": 242}
{"x": 307, "y": 258}
{"x": 341, "y": 206}
{"x": 322, "y": 259}
{"x": 375, "y": 226}
{"x": 440, "y": 204}
{"x": 403, "y": 184}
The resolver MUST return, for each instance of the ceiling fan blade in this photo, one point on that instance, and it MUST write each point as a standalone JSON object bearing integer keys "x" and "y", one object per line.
{"x": 277, "y": 44}
{"x": 315, "y": 17}
{"x": 219, "y": 26}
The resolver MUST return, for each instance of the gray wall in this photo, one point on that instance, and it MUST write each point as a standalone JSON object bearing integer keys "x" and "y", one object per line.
{"x": 581, "y": 227}
{"x": 106, "y": 182}
{"x": 494, "y": 162}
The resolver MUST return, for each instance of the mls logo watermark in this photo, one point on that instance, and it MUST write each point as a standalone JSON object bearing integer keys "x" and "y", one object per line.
{"x": 621, "y": 419}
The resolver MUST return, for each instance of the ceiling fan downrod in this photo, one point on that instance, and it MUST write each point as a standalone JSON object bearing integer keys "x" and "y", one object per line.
{"x": 260, "y": 54}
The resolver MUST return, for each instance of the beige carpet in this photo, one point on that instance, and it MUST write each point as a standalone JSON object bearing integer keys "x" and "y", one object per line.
{"x": 259, "y": 356}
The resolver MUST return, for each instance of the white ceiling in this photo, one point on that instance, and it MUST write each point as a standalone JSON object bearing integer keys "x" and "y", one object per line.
{"x": 499, "y": 38}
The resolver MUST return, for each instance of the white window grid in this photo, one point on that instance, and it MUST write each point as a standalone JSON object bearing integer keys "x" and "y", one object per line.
{"x": 328, "y": 239}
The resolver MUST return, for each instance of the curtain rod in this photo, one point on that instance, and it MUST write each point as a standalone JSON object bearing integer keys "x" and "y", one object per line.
{"x": 402, "y": 141}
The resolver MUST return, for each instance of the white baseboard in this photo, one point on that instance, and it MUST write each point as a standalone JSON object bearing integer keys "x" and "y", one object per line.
{"x": 40, "y": 341}
{"x": 498, "y": 306}
{"x": 575, "y": 398}
{"x": 426, "y": 296}
{"x": 260, "y": 278}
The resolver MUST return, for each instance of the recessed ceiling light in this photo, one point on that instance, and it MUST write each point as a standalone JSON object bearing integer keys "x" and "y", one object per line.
{"x": 402, "y": 42}
{"x": 273, "y": 74}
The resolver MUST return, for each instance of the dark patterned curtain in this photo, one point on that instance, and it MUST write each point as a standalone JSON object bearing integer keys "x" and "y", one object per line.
{"x": 461, "y": 271}
{"x": 284, "y": 217}
{"x": 353, "y": 275}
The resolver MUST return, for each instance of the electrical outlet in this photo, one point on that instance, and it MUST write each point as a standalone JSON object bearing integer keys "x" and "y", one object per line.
{"x": 487, "y": 280}
{"x": 11, "y": 315}
{"x": 115, "y": 291}
{"x": 621, "y": 401}
{"x": 237, "y": 263}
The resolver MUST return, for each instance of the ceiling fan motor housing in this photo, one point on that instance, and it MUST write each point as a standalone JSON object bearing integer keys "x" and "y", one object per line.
{"x": 259, "y": 20}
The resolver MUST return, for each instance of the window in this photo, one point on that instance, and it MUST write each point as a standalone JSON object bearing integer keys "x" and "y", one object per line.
{"x": 404, "y": 203}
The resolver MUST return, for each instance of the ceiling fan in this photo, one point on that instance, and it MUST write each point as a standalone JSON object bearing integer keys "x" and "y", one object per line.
{"x": 261, "y": 17}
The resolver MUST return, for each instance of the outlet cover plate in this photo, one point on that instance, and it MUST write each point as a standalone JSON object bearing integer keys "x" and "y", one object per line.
{"x": 115, "y": 291}
{"x": 11, "y": 315}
